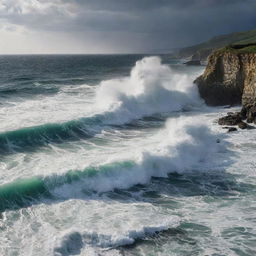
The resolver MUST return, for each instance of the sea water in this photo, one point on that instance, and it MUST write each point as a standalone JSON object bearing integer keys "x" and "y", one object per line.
{"x": 118, "y": 155}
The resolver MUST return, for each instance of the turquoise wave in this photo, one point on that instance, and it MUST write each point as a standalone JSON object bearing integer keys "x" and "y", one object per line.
{"x": 21, "y": 193}
{"x": 20, "y": 139}
{"x": 28, "y": 138}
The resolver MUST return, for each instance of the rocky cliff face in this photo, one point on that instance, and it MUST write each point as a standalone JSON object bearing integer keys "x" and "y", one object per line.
{"x": 249, "y": 79}
{"x": 229, "y": 78}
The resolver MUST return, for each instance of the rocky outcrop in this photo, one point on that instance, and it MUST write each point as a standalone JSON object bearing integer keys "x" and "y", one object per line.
{"x": 230, "y": 119}
{"x": 234, "y": 119}
{"x": 230, "y": 78}
{"x": 221, "y": 83}
{"x": 232, "y": 129}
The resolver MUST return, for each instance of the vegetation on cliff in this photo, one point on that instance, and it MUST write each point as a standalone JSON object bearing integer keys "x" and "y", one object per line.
{"x": 201, "y": 51}
{"x": 238, "y": 48}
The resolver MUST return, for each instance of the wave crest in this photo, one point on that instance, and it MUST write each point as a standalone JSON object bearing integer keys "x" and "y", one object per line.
{"x": 185, "y": 146}
{"x": 151, "y": 88}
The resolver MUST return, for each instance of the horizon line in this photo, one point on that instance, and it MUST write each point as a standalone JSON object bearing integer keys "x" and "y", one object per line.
{"x": 136, "y": 53}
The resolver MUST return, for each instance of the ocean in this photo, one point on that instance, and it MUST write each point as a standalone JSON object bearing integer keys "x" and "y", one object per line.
{"x": 118, "y": 155}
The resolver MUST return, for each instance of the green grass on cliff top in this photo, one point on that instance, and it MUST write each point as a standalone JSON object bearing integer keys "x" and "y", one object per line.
{"x": 244, "y": 37}
{"x": 249, "y": 49}
{"x": 239, "y": 48}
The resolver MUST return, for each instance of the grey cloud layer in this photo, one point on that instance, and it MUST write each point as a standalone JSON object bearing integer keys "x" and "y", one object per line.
{"x": 158, "y": 24}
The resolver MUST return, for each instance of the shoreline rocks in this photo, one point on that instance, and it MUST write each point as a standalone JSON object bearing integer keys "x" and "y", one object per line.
{"x": 232, "y": 129}
{"x": 230, "y": 119}
{"x": 234, "y": 119}
{"x": 249, "y": 113}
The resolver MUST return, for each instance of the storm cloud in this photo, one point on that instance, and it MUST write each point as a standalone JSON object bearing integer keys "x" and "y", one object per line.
{"x": 107, "y": 26}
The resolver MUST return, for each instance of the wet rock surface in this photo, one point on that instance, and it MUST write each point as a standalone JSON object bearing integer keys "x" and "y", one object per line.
{"x": 232, "y": 129}
{"x": 230, "y": 119}
{"x": 234, "y": 119}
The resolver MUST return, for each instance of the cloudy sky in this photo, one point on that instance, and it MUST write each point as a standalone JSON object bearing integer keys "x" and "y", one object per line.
{"x": 112, "y": 26}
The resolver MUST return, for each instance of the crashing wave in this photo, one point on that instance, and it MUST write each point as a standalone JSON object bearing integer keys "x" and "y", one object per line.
{"x": 152, "y": 88}
{"x": 186, "y": 146}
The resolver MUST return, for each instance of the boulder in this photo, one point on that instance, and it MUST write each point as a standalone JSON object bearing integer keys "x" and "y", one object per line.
{"x": 232, "y": 129}
{"x": 242, "y": 125}
{"x": 233, "y": 119}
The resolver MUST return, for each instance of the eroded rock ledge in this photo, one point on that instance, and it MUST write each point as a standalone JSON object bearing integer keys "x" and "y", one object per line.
{"x": 230, "y": 79}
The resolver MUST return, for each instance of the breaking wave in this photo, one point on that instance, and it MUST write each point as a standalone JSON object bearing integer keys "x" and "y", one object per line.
{"x": 152, "y": 88}
{"x": 186, "y": 146}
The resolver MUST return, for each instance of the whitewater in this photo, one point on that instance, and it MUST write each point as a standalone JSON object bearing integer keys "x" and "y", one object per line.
{"x": 119, "y": 155}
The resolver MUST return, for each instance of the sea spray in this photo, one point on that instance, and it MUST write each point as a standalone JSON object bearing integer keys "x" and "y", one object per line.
{"x": 209, "y": 200}
{"x": 185, "y": 146}
{"x": 151, "y": 88}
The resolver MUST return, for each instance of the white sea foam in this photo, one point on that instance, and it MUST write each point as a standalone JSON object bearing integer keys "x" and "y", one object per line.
{"x": 73, "y": 241}
{"x": 71, "y": 102}
{"x": 184, "y": 145}
{"x": 151, "y": 88}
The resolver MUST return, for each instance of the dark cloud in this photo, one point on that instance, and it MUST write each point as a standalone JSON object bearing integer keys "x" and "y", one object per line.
{"x": 145, "y": 5}
{"x": 133, "y": 25}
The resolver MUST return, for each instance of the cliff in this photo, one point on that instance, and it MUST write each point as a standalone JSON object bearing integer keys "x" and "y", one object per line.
{"x": 230, "y": 78}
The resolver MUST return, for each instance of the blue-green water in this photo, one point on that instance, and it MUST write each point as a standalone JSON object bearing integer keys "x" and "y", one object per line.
{"x": 118, "y": 155}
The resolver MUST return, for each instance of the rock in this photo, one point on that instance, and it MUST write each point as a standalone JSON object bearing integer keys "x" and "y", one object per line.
{"x": 248, "y": 112}
{"x": 243, "y": 113}
{"x": 242, "y": 125}
{"x": 234, "y": 119}
{"x": 229, "y": 78}
{"x": 250, "y": 127}
{"x": 193, "y": 63}
{"x": 232, "y": 129}
{"x": 249, "y": 120}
